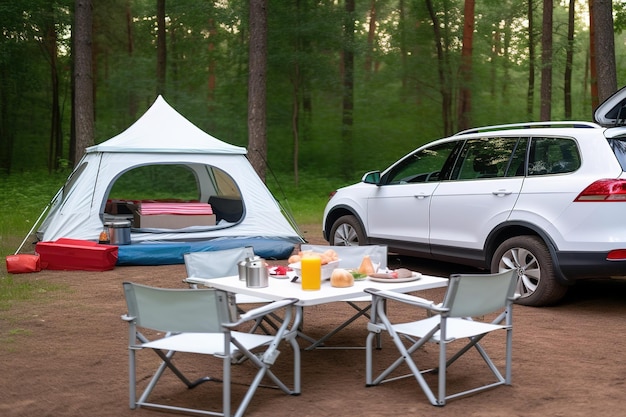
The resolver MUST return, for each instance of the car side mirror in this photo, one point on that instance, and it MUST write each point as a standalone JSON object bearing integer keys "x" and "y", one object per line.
{"x": 372, "y": 177}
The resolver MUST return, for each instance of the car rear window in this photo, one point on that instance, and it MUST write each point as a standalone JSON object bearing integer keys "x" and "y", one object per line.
{"x": 552, "y": 156}
{"x": 619, "y": 148}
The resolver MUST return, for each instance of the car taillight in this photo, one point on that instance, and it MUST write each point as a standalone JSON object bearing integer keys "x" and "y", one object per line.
{"x": 332, "y": 194}
{"x": 604, "y": 190}
{"x": 616, "y": 255}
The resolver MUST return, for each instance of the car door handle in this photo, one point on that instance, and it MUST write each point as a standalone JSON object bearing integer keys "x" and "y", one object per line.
{"x": 502, "y": 192}
{"x": 421, "y": 196}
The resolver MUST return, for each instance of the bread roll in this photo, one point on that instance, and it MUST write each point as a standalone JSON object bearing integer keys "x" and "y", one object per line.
{"x": 341, "y": 278}
{"x": 404, "y": 273}
{"x": 366, "y": 267}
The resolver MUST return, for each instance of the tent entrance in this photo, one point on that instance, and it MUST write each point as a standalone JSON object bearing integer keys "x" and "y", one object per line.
{"x": 186, "y": 187}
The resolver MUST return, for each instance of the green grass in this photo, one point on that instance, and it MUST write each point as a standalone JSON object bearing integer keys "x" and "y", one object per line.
{"x": 14, "y": 289}
{"x": 306, "y": 201}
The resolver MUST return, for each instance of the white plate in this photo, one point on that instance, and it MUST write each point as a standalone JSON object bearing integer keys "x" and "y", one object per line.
{"x": 414, "y": 277}
{"x": 279, "y": 276}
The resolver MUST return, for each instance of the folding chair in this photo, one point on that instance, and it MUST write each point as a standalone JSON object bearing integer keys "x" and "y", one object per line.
{"x": 351, "y": 257}
{"x": 467, "y": 296}
{"x": 200, "y": 321}
{"x": 223, "y": 263}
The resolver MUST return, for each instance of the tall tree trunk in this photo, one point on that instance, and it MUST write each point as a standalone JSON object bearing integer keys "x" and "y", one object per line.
{"x": 587, "y": 76}
{"x": 495, "y": 57}
{"x": 348, "y": 88}
{"x": 546, "y": 61}
{"x": 371, "y": 36}
{"x": 403, "y": 44}
{"x": 212, "y": 61}
{"x": 530, "y": 94}
{"x": 569, "y": 59}
{"x": 257, "y": 134}
{"x": 7, "y": 129}
{"x": 175, "y": 59}
{"x": 442, "y": 70}
{"x": 55, "y": 147}
{"x": 296, "y": 96}
{"x": 83, "y": 79}
{"x": 506, "y": 57}
{"x": 295, "y": 122}
{"x": 132, "y": 97}
{"x": 465, "y": 94}
{"x": 604, "y": 47}
{"x": 592, "y": 59}
{"x": 161, "y": 48}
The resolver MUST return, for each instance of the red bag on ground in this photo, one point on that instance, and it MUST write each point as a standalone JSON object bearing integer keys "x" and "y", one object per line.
{"x": 23, "y": 263}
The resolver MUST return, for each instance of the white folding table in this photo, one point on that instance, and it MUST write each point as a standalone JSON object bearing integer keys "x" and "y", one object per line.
{"x": 279, "y": 289}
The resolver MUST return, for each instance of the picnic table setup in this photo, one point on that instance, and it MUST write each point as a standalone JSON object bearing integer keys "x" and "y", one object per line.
{"x": 283, "y": 288}
{"x": 218, "y": 281}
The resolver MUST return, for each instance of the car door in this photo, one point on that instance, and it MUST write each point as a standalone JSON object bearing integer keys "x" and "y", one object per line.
{"x": 398, "y": 209}
{"x": 482, "y": 191}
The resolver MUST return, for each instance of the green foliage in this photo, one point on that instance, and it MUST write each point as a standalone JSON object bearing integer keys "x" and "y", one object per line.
{"x": 25, "y": 196}
{"x": 156, "y": 182}
{"x": 397, "y": 103}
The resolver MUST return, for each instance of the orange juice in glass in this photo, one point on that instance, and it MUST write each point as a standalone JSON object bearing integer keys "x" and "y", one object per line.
{"x": 311, "y": 272}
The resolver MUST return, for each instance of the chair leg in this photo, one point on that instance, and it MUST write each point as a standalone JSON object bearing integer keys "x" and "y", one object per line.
{"x": 369, "y": 358}
{"x": 417, "y": 373}
{"x": 509, "y": 356}
{"x": 226, "y": 375}
{"x": 132, "y": 378}
{"x": 405, "y": 357}
{"x": 263, "y": 370}
{"x": 474, "y": 342}
{"x": 441, "y": 376}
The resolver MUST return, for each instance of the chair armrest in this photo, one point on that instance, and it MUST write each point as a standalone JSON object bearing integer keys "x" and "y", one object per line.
{"x": 262, "y": 311}
{"x": 404, "y": 298}
{"x": 196, "y": 280}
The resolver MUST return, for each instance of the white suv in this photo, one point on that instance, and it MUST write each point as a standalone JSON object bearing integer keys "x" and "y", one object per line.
{"x": 547, "y": 199}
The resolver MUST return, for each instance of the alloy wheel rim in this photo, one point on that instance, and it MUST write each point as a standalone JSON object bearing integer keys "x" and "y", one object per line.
{"x": 527, "y": 267}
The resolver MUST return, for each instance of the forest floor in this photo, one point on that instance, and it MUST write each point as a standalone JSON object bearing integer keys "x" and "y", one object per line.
{"x": 65, "y": 354}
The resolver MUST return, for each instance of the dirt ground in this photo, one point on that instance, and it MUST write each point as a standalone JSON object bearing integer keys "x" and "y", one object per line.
{"x": 65, "y": 354}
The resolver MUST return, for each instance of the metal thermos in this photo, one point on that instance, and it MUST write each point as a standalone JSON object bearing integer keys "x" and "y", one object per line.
{"x": 241, "y": 268}
{"x": 257, "y": 274}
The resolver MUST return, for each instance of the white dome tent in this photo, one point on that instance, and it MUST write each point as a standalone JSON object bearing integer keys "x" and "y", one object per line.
{"x": 163, "y": 136}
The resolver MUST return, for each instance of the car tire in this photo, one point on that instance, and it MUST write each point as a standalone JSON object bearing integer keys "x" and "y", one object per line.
{"x": 347, "y": 231}
{"x": 537, "y": 283}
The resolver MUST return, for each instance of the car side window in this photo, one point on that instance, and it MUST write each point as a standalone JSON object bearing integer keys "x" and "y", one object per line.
{"x": 422, "y": 166}
{"x": 486, "y": 158}
{"x": 552, "y": 156}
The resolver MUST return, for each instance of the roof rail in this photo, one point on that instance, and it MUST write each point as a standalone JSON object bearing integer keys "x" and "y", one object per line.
{"x": 527, "y": 125}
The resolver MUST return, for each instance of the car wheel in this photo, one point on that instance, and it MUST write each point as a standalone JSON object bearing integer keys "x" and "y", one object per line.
{"x": 536, "y": 281}
{"x": 347, "y": 231}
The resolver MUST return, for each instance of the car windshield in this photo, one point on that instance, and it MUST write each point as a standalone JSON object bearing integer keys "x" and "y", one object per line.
{"x": 619, "y": 148}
